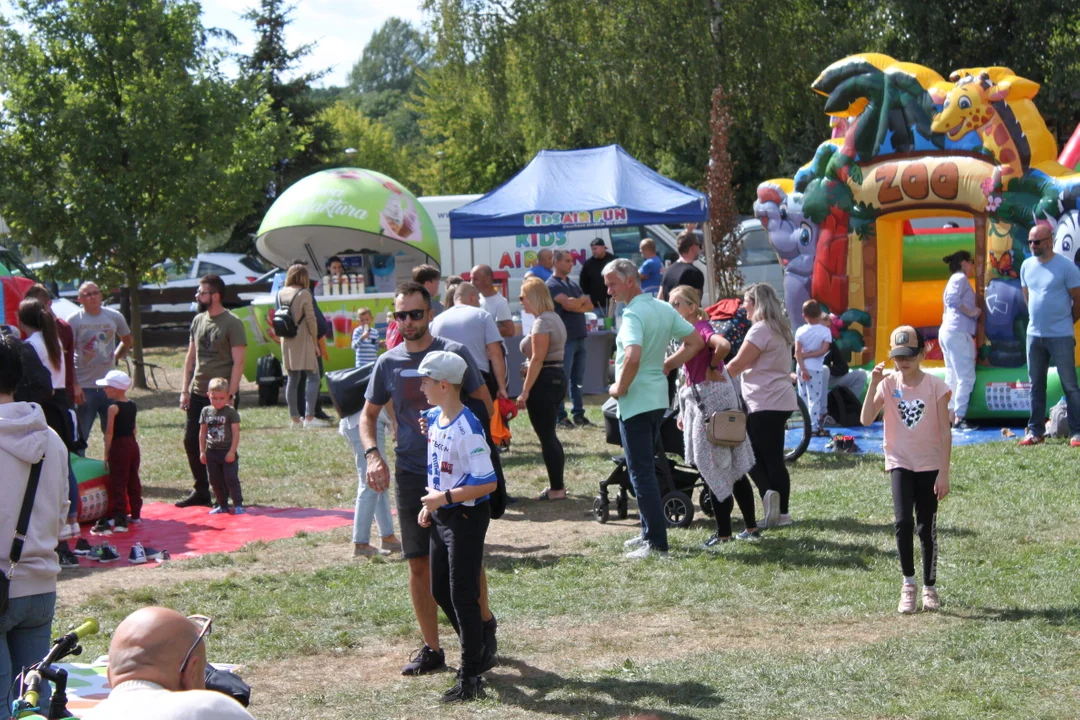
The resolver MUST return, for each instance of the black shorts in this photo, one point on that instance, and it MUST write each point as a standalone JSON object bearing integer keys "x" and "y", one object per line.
{"x": 409, "y": 489}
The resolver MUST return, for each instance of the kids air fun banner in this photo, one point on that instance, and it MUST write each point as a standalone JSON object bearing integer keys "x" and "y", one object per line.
{"x": 918, "y": 167}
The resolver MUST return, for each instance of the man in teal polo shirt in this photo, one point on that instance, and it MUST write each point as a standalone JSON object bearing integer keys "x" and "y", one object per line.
{"x": 648, "y": 326}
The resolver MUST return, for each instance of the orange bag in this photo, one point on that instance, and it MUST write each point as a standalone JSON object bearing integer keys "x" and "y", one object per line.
{"x": 500, "y": 432}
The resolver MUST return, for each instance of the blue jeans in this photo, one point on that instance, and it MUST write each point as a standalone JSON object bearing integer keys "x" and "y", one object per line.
{"x": 641, "y": 437}
{"x": 95, "y": 405}
{"x": 574, "y": 367}
{"x": 1041, "y": 353}
{"x": 369, "y": 503}
{"x": 25, "y": 637}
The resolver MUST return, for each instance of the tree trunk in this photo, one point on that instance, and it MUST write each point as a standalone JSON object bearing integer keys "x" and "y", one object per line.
{"x": 135, "y": 322}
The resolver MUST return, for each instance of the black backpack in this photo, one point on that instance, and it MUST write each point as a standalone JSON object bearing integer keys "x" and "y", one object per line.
{"x": 844, "y": 407}
{"x": 284, "y": 325}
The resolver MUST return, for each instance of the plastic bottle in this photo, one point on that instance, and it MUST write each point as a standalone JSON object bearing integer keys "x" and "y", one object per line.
{"x": 326, "y": 289}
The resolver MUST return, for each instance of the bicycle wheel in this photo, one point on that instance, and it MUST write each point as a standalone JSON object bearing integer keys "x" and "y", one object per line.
{"x": 797, "y": 433}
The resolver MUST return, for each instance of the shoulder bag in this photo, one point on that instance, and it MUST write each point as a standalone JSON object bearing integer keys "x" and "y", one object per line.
{"x": 725, "y": 428}
{"x": 21, "y": 527}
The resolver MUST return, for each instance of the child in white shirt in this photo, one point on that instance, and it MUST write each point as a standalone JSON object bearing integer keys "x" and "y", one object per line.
{"x": 812, "y": 342}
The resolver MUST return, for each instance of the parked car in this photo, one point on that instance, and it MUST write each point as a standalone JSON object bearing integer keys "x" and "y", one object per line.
{"x": 233, "y": 268}
{"x": 11, "y": 261}
{"x": 757, "y": 259}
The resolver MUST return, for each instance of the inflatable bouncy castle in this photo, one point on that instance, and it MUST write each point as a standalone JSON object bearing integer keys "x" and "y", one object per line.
{"x": 918, "y": 167}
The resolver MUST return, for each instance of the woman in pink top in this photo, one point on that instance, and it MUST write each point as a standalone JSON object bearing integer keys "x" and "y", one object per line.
{"x": 918, "y": 446}
{"x": 707, "y": 390}
{"x": 764, "y": 361}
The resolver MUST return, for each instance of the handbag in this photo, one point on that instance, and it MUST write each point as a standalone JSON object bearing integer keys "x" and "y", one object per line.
{"x": 724, "y": 428}
{"x": 21, "y": 527}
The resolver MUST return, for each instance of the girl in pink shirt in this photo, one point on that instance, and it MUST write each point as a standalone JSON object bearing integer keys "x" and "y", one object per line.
{"x": 918, "y": 446}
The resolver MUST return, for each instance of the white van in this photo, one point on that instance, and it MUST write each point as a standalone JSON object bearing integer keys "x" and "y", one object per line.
{"x": 516, "y": 254}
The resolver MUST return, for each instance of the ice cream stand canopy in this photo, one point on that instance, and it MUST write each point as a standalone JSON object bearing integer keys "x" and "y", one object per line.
{"x": 347, "y": 210}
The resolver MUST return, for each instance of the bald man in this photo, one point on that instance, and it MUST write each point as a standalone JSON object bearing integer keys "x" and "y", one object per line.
{"x": 150, "y": 676}
{"x": 491, "y": 300}
{"x": 1051, "y": 286}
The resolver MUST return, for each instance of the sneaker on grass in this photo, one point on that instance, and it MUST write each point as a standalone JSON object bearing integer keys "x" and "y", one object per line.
{"x": 636, "y": 541}
{"x": 754, "y": 535}
{"x": 1030, "y": 440}
{"x": 907, "y": 599}
{"x": 784, "y": 520}
{"x": 714, "y": 542}
{"x": 930, "y": 599}
{"x": 646, "y": 551}
{"x": 464, "y": 690}
{"x": 424, "y": 661}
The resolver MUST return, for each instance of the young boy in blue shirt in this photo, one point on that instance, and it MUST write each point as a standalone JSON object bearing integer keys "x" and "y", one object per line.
{"x": 460, "y": 480}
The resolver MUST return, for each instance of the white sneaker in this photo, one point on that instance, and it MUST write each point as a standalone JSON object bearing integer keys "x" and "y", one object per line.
{"x": 636, "y": 541}
{"x": 645, "y": 551}
{"x": 771, "y": 502}
{"x": 784, "y": 520}
{"x": 907, "y": 599}
{"x": 315, "y": 423}
{"x": 70, "y": 531}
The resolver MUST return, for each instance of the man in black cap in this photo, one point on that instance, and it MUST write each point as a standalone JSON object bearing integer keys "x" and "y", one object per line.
{"x": 592, "y": 277}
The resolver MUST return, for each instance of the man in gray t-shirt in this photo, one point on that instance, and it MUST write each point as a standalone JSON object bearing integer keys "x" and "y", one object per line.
{"x": 474, "y": 328}
{"x": 412, "y": 310}
{"x": 102, "y": 337}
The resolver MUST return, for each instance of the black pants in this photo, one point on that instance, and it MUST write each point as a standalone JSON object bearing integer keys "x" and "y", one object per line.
{"x": 544, "y": 403}
{"x": 196, "y": 403}
{"x": 765, "y": 428}
{"x": 457, "y": 559}
{"x": 741, "y": 493}
{"x": 915, "y": 509}
{"x": 224, "y": 478}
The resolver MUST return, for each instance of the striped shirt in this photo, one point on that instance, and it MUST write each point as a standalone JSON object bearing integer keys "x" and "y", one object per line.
{"x": 366, "y": 349}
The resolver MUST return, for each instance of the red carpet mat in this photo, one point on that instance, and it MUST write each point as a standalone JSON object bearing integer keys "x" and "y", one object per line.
{"x": 191, "y": 532}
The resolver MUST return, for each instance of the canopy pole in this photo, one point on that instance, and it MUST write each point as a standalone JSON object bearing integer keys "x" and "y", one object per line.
{"x": 710, "y": 264}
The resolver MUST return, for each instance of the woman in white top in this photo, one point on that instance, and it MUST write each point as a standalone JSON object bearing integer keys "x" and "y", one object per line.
{"x": 38, "y": 325}
{"x": 957, "y": 334}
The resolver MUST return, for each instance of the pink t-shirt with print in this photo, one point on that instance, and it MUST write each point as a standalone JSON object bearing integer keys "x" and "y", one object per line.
{"x": 912, "y": 426}
{"x": 766, "y": 385}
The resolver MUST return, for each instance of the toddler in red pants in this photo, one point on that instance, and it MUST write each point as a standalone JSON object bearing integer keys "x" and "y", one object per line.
{"x": 122, "y": 454}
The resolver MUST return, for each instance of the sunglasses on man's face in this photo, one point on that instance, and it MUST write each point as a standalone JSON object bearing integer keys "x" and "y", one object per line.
{"x": 205, "y": 625}
{"x": 1035, "y": 241}
{"x": 403, "y": 315}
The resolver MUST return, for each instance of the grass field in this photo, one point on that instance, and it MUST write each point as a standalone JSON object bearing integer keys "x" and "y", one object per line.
{"x": 800, "y": 625}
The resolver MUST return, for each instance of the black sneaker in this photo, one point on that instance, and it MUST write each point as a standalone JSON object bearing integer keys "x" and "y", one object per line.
{"x": 195, "y": 500}
{"x": 565, "y": 424}
{"x": 82, "y": 547}
{"x": 491, "y": 645}
{"x": 424, "y": 661}
{"x": 101, "y": 527}
{"x": 583, "y": 422}
{"x": 105, "y": 553}
{"x": 714, "y": 542}
{"x": 464, "y": 690}
{"x": 67, "y": 558}
{"x": 120, "y": 524}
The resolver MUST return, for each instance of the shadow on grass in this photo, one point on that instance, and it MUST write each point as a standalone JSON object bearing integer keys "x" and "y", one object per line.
{"x": 158, "y": 492}
{"x": 604, "y": 697}
{"x": 1054, "y": 616}
{"x": 775, "y": 549}
{"x": 850, "y": 525}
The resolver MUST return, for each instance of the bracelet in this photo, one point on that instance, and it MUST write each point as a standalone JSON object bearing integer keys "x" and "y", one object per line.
{"x": 449, "y": 499}
{"x": 373, "y": 448}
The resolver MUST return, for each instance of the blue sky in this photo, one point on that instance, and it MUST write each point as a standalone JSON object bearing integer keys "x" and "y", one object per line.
{"x": 340, "y": 27}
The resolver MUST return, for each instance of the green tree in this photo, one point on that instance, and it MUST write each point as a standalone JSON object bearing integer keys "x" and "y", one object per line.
{"x": 390, "y": 59}
{"x": 294, "y": 101}
{"x": 121, "y": 142}
{"x": 369, "y": 143}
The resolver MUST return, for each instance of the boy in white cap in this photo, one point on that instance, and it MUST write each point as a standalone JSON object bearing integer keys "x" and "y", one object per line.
{"x": 122, "y": 454}
{"x": 460, "y": 480}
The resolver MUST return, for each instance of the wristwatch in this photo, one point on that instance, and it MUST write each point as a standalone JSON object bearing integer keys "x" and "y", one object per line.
{"x": 449, "y": 498}
{"x": 370, "y": 450}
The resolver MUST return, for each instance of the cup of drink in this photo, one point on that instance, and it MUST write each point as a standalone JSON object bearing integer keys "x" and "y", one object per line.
{"x": 342, "y": 329}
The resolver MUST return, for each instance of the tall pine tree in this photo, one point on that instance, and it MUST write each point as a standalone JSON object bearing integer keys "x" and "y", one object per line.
{"x": 294, "y": 100}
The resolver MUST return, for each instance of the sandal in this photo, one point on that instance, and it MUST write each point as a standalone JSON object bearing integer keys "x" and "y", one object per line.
{"x": 545, "y": 496}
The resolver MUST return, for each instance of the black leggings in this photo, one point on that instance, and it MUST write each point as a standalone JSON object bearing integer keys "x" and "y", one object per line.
{"x": 915, "y": 491}
{"x": 544, "y": 402}
{"x": 741, "y": 493}
{"x": 457, "y": 557}
{"x": 765, "y": 428}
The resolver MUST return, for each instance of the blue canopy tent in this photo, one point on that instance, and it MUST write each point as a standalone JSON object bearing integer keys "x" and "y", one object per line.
{"x": 579, "y": 189}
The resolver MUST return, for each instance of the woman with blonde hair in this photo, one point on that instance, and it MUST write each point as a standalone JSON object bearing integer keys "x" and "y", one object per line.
{"x": 545, "y": 382}
{"x": 300, "y": 353}
{"x": 706, "y": 390}
{"x": 764, "y": 361}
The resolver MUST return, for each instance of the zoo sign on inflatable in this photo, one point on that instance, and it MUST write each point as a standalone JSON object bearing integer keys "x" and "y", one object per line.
{"x": 917, "y": 168}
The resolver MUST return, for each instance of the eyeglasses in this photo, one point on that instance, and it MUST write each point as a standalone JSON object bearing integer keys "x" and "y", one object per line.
{"x": 204, "y": 632}
{"x": 403, "y": 315}
{"x": 1035, "y": 241}
{"x": 90, "y": 293}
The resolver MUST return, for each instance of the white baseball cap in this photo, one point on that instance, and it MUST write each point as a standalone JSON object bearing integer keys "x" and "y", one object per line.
{"x": 440, "y": 365}
{"x": 115, "y": 379}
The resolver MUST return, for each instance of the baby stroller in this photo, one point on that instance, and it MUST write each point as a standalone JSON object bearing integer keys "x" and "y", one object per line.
{"x": 677, "y": 481}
